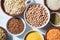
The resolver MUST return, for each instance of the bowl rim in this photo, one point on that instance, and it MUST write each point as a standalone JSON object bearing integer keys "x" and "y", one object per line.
{"x": 5, "y": 32}
{"x": 19, "y": 33}
{"x": 50, "y": 18}
{"x": 46, "y": 21}
{"x": 49, "y": 30}
{"x": 33, "y": 31}
{"x": 49, "y": 8}
{"x": 2, "y": 7}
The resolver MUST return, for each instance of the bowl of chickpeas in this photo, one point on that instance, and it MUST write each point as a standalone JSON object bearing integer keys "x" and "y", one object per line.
{"x": 37, "y": 15}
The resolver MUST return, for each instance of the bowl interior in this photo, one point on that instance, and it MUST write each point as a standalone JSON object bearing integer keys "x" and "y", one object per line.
{"x": 3, "y": 9}
{"x": 45, "y": 9}
{"x": 31, "y": 32}
{"x": 51, "y": 22}
{"x": 19, "y": 33}
{"x": 5, "y": 32}
{"x": 49, "y": 30}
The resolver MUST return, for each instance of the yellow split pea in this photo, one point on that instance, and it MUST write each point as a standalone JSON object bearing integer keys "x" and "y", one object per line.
{"x": 33, "y": 36}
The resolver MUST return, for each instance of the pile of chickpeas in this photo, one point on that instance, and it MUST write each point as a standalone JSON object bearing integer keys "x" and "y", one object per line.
{"x": 36, "y": 15}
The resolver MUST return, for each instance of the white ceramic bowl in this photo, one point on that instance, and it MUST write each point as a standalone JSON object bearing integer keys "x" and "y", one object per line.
{"x": 46, "y": 21}
{"x": 36, "y": 31}
{"x": 19, "y": 33}
{"x": 51, "y": 22}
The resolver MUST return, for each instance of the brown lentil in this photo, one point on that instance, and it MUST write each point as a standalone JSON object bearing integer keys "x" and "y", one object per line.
{"x": 15, "y": 25}
{"x": 36, "y": 15}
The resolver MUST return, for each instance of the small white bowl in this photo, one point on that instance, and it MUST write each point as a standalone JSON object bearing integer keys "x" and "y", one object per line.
{"x": 36, "y": 31}
{"x": 46, "y": 21}
{"x": 19, "y": 33}
{"x": 51, "y": 22}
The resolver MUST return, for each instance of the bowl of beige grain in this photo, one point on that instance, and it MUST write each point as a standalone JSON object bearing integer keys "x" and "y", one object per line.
{"x": 37, "y": 15}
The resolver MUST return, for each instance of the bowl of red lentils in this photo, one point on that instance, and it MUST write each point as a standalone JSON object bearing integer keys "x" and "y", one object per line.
{"x": 53, "y": 34}
{"x": 37, "y": 15}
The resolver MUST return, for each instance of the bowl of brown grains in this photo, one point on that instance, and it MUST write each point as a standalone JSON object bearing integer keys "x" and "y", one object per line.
{"x": 37, "y": 15}
{"x": 16, "y": 26}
